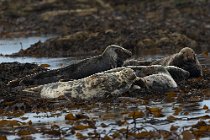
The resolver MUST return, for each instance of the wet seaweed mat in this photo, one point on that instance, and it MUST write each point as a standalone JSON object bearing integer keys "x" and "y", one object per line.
{"x": 90, "y": 26}
{"x": 183, "y": 114}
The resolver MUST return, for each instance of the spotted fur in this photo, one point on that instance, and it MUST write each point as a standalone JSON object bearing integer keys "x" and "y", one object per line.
{"x": 157, "y": 82}
{"x": 96, "y": 85}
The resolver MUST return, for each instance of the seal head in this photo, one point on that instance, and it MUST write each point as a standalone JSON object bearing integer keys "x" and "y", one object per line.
{"x": 185, "y": 59}
{"x": 116, "y": 55}
{"x": 189, "y": 62}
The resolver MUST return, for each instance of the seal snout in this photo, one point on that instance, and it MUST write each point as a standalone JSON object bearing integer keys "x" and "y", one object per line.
{"x": 129, "y": 74}
{"x": 117, "y": 54}
{"x": 120, "y": 51}
{"x": 188, "y": 54}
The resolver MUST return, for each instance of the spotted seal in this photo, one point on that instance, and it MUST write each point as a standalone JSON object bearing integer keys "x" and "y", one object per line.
{"x": 185, "y": 59}
{"x": 157, "y": 82}
{"x": 156, "y": 77}
{"x": 112, "y": 57}
{"x": 96, "y": 85}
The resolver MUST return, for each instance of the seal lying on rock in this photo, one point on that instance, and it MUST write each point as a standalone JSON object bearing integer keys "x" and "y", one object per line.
{"x": 97, "y": 85}
{"x": 156, "y": 77}
{"x": 157, "y": 82}
{"x": 185, "y": 59}
{"x": 112, "y": 57}
{"x": 112, "y": 82}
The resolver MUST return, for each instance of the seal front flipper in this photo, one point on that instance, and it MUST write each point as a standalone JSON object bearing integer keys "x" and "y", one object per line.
{"x": 120, "y": 91}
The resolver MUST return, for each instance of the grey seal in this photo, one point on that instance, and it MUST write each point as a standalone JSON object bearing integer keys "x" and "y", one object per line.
{"x": 157, "y": 82}
{"x": 133, "y": 62}
{"x": 185, "y": 59}
{"x": 96, "y": 85}
{"x": 178, "y": 74}
{"x": 112, "y": 57}
{"x": 154, "y": 78}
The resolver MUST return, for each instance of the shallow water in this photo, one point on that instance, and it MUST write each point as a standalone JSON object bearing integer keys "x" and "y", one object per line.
{"x": 9, "y": 46}
{"x": 13, "y": 45}
{"x": 53, "y": 62}
{"x": 48, "y": 119}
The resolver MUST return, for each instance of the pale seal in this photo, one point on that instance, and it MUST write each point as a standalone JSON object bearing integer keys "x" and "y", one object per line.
{"x": 185, "y": 59}
{"x": 112, "y": 57}
{"x": 156, "y": 77}
{"x": 157, "y": 82}
{"x": 96, "y": 85}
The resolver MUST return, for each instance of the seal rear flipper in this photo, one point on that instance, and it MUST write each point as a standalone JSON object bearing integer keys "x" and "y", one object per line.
{"x": 33, "y": 89}
{"x": 32, "y": 92}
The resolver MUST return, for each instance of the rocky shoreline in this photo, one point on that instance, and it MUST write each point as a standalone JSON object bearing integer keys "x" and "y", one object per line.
{"x": 85, "y": 26}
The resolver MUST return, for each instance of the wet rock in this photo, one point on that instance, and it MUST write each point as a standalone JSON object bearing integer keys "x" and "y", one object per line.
{"x": 164, "y": 25}
{"x": 15, "y": 70}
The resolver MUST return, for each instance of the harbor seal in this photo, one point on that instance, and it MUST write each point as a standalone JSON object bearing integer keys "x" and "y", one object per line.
{"x": 157, "y": 82}
{"x": 96, "y": 85}
{"x": 185, "y": 59}
{"x": 156, "y": 77}
{"x": 112, "y": 57}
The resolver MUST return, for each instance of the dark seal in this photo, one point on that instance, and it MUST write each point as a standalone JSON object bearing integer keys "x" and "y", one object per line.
{"x": 112, "y": 57}
{"x": 185, "y": 59}
{"x": 178, "y": 74}
{"x": 133, "y": 62}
